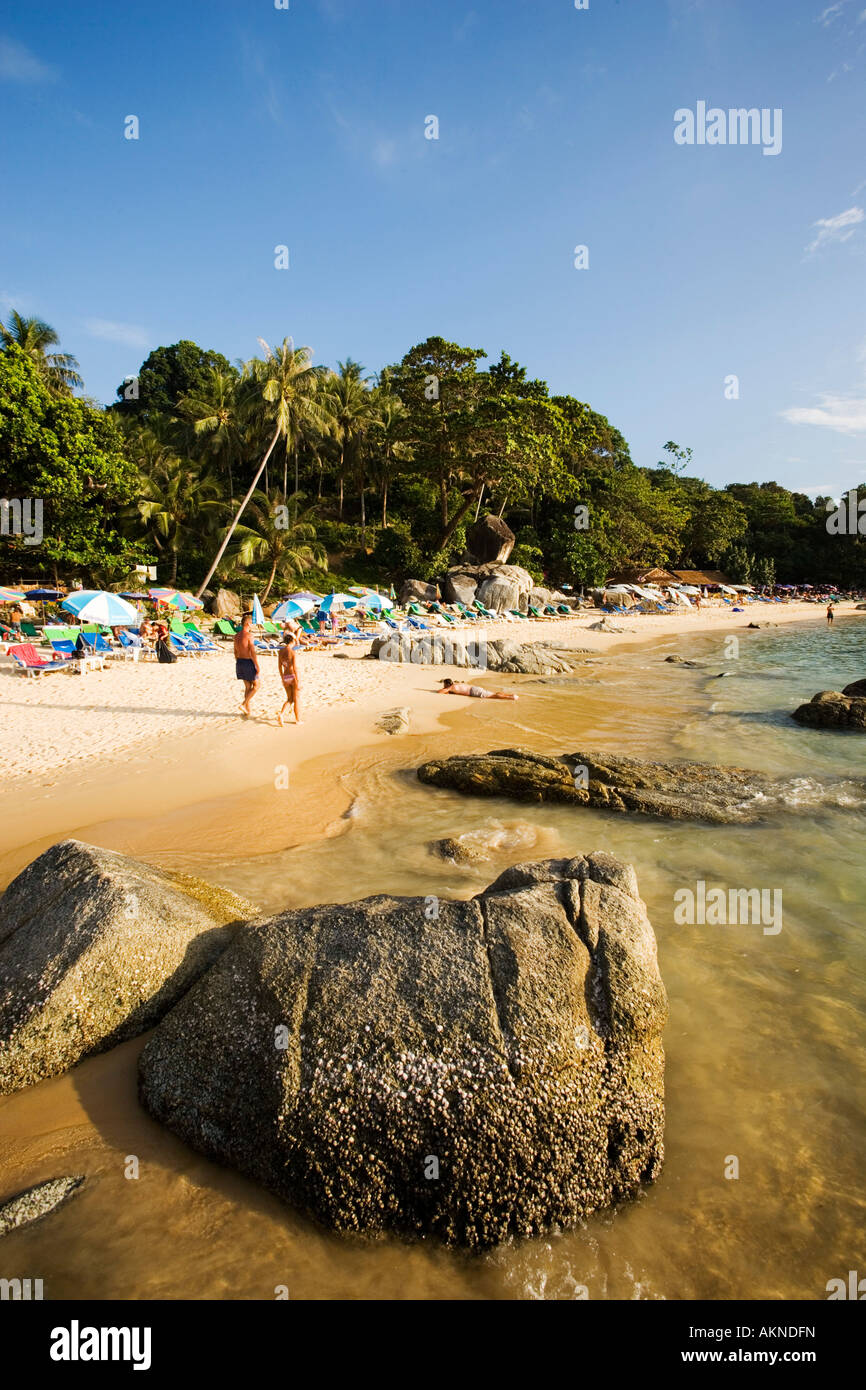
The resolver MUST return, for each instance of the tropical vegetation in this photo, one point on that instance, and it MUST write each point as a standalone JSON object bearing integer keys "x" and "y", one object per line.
{"x": 276, "y": 472}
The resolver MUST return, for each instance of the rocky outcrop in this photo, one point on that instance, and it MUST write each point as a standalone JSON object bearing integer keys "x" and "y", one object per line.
{"x": 505, "y": 586}
{"x": 417, "y": 590}
{"x": 489, "y": 540}
{"x": 856, "y": 688}
{"x": 225, "y": 604}
{"x": 470, "y": 1070}
{"x": 677, "y": 791}
{"x": 471, "y": 650}
{"x": 833, "y": 709}
{"x": 94, "y": 949}
{"x": 37, "y": 1202}
{"x": 534, "y": 658}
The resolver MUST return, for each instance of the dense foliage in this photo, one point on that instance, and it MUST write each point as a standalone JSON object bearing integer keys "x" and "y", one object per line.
{"x": 278, "y": 472}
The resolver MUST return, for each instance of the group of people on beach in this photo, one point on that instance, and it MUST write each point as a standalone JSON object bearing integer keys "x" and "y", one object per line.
{"x": 247, "y": 667}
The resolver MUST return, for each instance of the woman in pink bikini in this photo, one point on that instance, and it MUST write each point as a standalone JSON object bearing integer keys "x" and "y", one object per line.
{"x": 289, "y": 677}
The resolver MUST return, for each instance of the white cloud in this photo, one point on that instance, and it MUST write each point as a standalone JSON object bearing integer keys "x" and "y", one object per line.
{"x": 836, "y": 229}
{"x": 126, "y": 333}
{"x": 841, "y": 414}
{"x": 18, "y": 64}
{"x": 831, "y": 13}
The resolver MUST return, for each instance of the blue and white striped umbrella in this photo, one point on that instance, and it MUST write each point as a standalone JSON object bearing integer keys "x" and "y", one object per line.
{"x": 98, "y": 606}
{"x": 258, "y": 612}
{"x": 338, "y": 601}
{"x": 293, "y": 608}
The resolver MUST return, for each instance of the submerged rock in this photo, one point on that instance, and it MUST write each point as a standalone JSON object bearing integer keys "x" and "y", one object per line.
{"x": 481, "y": 845}
{"x": 394, "y": 721}
{"x": 834, "y": 709}
{"x": 471, "y": 1070}
{"x": 678, "y": 791}
{"x": 94, "y": 949}
{"x": 36, "y": 1202}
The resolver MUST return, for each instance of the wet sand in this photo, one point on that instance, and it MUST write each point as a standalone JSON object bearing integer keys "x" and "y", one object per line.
{"x": 761, "y": 1046}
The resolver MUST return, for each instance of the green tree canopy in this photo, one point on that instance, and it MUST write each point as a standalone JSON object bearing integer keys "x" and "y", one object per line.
{"x": 167, "y": 375}
{"x": 59, "y": 449}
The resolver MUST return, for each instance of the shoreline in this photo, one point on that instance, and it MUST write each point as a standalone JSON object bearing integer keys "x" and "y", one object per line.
{"x": 189, "y": 747}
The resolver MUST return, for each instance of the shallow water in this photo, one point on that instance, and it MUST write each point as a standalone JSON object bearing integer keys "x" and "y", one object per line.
{"x": 765, "y": 1043}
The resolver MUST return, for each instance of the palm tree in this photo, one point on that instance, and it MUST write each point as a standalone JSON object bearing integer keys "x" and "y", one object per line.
{"x": 349, "y": 404}
{"x": 33, "y": 336}
{"x": 388, "y": 432}
{"x": 283, "y": 390}
{"x": 215, "y": 412}
{"x": 289, "y": 549}
{"x": 177, "y": 500}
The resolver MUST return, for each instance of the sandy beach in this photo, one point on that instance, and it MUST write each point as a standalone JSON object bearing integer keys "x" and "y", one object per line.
{"x": 87, "y": 724}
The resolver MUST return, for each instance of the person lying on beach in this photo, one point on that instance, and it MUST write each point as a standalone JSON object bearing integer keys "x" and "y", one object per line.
{"x": 246, "y": 662}
{"x": 288, "y": 668}
{"x": 450, "y": 687}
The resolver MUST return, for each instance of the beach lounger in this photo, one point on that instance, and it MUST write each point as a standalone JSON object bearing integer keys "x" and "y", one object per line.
{"x": 199, "y": 641}
{"x": 182, "y": 645}
{"x": 64, "y": 647}
{"x": 34, "y": 663}
{"x": 262, "y": 646}
{"x": 223, "y": 627}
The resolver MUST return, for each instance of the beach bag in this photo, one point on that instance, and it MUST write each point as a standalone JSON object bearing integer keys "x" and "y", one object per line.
{"x": 164, "y": 653}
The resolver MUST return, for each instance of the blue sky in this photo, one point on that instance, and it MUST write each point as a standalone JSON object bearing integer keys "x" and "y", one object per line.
{"x": 306, "y": 127}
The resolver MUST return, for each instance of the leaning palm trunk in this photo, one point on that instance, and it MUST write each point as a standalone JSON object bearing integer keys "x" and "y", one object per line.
{"x": 238, "y": 515}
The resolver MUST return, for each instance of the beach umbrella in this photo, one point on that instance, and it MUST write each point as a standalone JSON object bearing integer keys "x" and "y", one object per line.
{"x": 10, "y": 595}
{"x": 337, "y": 601}
{"x": 173, "y": 598}
{"x": 42, "y": 595}
{"x": 293, "y": 608}
{"x": 98, "y": 606}
{"x": 258, "y": 612}
{"x": 305, "y": 594}
{"x": 370, "y": 598}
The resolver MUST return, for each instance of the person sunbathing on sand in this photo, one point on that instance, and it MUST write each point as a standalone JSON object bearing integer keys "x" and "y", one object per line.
{"x": 450, "y": 687}
{"x": 290, "y": 678}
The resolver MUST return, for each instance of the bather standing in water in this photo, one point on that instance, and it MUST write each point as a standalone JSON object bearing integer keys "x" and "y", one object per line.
{"x": 830, "y": 615}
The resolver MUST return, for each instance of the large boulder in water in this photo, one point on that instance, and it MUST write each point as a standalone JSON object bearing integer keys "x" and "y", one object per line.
{"x": 677, "y": 791}
{"x": 490, "y": 540}
{"x": 94, "y": 949}
{"x": 857, "y": 688}
{"x": 471, "y": 1070}
{"x": 833, "y": 709}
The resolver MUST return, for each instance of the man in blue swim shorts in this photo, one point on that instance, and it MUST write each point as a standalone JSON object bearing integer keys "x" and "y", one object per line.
{"x": 246, "y": 662}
